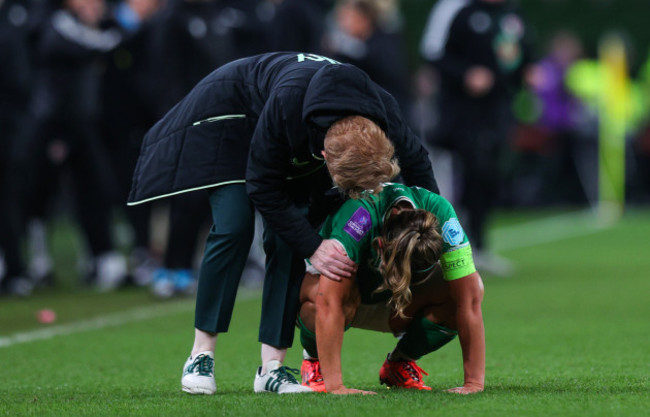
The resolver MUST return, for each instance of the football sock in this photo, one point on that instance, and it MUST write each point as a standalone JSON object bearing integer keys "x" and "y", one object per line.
{"x": 307, "y": 339}
{"x": 397, "y": 355}
{"x": 423, "y": 336}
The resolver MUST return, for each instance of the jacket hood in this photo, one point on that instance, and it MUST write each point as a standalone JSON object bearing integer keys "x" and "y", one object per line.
{"x": 338, "y": 91}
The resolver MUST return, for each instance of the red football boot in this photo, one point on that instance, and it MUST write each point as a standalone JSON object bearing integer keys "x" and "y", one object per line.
{"x": 402, "y": 374}
{"x": 311, "y": 376}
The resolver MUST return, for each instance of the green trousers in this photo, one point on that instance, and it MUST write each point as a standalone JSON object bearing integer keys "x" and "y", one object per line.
{"x": 226, "y": 252}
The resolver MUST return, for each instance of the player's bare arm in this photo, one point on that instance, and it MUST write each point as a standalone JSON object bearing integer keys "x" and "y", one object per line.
{"x": 467, "y": 293}
{"x": 332, "y": 297}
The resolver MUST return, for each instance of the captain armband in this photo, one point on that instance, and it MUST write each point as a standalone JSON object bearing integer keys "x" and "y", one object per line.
{"x": 458, "y": 263}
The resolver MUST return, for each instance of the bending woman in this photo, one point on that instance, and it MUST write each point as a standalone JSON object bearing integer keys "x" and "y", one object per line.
{"x": 415, "y": 278}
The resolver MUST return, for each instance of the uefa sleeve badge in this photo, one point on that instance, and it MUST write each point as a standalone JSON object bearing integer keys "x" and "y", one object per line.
{"x": 452, "y": 232}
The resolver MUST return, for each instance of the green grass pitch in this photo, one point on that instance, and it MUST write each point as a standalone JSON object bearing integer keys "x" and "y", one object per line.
{"x": 567, "y": 335}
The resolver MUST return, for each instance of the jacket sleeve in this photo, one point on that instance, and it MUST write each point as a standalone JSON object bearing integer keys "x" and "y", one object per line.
{"x": 266, "y": 175}
{"x": 413, "y": 158}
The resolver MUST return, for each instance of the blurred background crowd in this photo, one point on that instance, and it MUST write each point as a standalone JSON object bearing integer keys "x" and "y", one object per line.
{"x": 511, "y": 98}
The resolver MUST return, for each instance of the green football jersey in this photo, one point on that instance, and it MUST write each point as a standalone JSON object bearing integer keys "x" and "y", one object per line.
{"x": 358, "y": 222}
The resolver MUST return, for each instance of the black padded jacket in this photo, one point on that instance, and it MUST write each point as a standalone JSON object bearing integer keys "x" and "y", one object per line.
{"x": 262, "y": 121}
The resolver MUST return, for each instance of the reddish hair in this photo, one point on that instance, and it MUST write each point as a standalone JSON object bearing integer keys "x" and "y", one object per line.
{"x": 359, "y": 156}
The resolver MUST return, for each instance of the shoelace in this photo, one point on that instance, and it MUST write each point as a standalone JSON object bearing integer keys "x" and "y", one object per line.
{"x": 205, "y": 365}
{"x": 283, "y": 376}
{"x": 414, "y": 370}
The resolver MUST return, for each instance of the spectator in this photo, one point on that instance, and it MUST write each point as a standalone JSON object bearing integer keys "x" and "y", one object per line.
{"x": 479, "y": 49}
{"x": 194, "y": 37}
{"x": 298, "y": 25}
{"x": 14, "y": 94}
{"x": 65, "y": 111}
{"x": 365, "y": 35}
{"x": 559, "y": 120}
{"x": 130, "y": 96}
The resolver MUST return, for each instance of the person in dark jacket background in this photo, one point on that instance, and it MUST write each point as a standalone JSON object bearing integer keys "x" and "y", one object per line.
{"x": 480, "y": 50}
{"x": 370, "y": 37}
{"x": 14, "y": 95}
{"x": 252, "y": 132}
{"x": 64, "y": 110}
{"x": 298, "y": 25}
{"x": 131, "y": 93}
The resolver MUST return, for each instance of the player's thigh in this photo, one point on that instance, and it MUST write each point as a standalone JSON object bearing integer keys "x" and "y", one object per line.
{"x": 309, "y": 288}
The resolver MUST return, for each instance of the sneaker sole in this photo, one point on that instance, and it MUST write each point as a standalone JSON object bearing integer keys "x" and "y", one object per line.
{"x": 284, "y": 393}
{"x": 303, "y": 390}
{"x": 391, "y": 386}
{"x": 316, "y": 388}
{"x": 198, "y": 390}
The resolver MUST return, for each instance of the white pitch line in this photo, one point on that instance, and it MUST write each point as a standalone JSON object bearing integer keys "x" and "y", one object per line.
{"x": 546, "y": 230}
{"x": 528, "y": 234}
{"x": 100, "y": 322}
{"x": 109, "y": 320}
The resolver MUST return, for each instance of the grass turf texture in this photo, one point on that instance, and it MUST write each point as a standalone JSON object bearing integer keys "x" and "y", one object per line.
{"x": 568, "y": 335}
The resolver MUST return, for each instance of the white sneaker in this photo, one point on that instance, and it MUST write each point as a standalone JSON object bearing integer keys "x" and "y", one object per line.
{"x": 198, "y": 374}
{"x": 278, "y": 380}
{"x": 41, "y": 268}
{"x": 111, "y": 270}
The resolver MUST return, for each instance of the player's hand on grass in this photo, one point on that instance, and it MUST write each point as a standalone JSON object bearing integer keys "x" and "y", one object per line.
{"x": 332, "y": 262}
{"x": 466, "y": 389}
{"x": 347, "y": 391}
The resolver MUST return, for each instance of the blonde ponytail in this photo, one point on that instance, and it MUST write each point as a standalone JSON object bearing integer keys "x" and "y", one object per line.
{"x": 411, "y": 245}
